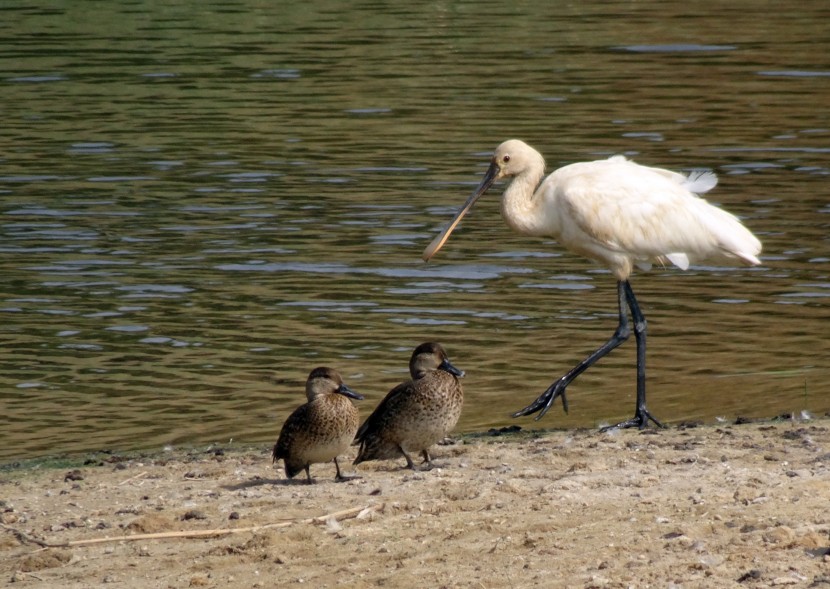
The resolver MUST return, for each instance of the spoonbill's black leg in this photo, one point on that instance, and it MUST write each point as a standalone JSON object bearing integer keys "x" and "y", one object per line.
{"x": 641, "y": 414}
{"x": 626, "y": 300}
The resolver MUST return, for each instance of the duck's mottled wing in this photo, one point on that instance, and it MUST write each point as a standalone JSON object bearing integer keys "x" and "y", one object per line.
{"x": 378, "y": 416}
{"x": 282, "y": 449}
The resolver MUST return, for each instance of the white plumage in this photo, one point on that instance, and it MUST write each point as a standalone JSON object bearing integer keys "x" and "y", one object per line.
{"x": 620, "y": 214}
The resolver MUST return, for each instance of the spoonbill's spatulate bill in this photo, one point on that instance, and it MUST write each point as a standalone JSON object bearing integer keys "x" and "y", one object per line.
{"x": 622, "y": 215}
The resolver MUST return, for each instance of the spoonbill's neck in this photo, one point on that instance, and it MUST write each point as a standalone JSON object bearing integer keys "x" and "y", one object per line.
{"x": 518, "y": 205}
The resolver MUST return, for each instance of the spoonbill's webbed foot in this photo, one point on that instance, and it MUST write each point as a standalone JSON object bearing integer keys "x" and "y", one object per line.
{"x": 622, "y": 333}
{"x": 640, "y": 421}
{"x": 544, "y": 402}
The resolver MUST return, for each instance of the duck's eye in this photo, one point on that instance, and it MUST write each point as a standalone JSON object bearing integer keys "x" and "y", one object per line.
{"x": 505, "y": 159}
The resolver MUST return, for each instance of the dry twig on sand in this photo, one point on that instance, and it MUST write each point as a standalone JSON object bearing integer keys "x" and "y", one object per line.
{"x": 358, "y": 512}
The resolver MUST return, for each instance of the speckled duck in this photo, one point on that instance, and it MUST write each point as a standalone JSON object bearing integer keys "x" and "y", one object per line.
{"x": 321, "y": 429}
{"x": 415, "y": 414}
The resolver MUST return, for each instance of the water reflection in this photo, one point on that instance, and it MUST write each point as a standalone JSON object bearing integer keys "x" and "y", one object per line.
{"x": 198, "y": 206}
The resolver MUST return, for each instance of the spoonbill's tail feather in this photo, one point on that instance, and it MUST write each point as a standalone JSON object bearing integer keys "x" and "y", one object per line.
{"x": 700, "y": 181}
{"x": 749, "y": 259}
{"x": 734, "y": 240}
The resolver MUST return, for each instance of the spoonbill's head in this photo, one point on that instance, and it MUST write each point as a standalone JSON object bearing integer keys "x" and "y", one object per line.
{"x": 511, "y": 158}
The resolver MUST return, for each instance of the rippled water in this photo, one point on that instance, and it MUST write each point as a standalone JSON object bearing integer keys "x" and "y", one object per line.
{"x": 203, "y": 201}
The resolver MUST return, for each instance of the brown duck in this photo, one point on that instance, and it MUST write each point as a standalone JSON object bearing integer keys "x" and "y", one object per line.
{"x": 321, "y": 429}
{"x": 415, "y": 414}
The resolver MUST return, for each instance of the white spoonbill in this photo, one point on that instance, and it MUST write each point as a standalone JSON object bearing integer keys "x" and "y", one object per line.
{"x": 622, "y": 215}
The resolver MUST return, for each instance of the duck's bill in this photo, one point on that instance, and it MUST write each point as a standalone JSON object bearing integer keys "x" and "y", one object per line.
{"x": 441, "y": 238}
{"x": 347, "y": 392}
{"x": 448, "y": 367}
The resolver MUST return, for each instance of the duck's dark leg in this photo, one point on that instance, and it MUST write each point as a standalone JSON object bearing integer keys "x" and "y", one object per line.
{"x": 641, "y": 414}
{"x": 623, "y": 332}
{"x": 339, "y": 478}
{"x": 409, "y": 464}
{"x": 309, "y": 480}
{"x": 427, "y": 463}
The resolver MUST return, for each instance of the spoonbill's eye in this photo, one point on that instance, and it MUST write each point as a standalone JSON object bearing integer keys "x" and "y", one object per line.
{"x": 505, "y": 159}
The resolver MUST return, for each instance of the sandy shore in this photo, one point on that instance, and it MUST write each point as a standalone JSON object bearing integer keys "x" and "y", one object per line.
{"x": 714, "y": 506}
